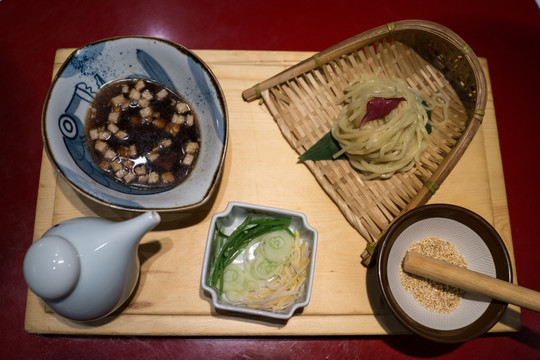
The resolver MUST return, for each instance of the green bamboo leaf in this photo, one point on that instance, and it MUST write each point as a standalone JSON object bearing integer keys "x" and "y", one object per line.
{"x": 324, "y": 149}
{"x": 428, "y": 125}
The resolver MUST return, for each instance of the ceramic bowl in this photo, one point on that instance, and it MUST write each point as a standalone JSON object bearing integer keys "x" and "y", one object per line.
{"x": 230, "y": 219}
{"x": 80, "y": 77}
{"x": 481, "y": 247}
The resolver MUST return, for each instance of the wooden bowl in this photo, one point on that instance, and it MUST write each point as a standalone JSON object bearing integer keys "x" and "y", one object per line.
{"x": 481, "y": 247}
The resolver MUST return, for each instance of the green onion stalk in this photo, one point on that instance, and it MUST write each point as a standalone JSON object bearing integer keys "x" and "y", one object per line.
{"x": 230, "y": 246}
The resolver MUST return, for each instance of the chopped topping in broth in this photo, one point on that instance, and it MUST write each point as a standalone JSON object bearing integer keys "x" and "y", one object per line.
{"x": 142, "y": 134}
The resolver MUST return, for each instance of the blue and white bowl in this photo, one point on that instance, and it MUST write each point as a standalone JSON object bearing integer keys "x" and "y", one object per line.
{"x": 86, "y": 71}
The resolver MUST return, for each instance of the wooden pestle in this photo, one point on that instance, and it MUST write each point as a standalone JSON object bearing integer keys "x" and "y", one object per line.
{"x": 469, "y": 280}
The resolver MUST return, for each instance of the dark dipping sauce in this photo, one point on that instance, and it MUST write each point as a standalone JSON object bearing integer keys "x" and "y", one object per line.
{"x": 142, "y": 134}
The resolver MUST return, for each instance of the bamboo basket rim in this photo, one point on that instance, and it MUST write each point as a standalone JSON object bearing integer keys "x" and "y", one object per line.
{"x": 394, "y": 30}
{"x": 368, "y": 37}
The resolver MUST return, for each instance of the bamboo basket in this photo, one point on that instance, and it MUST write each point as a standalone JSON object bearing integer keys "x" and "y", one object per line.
{"x": 431, "y": 59}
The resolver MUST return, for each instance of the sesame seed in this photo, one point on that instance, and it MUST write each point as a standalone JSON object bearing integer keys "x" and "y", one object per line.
{"x": 434, "y": 296}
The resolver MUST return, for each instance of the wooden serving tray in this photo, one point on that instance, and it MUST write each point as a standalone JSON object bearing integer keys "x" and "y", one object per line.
{"x": 261, "y": 168}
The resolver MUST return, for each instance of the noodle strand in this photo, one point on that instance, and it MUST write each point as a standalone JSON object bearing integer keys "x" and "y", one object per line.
{"x": 386, "y": 146}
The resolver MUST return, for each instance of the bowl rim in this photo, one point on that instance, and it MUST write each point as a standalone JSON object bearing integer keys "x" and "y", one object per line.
{"x": 222, "y": 101}
{"x": 256, "y": 312}
{"x": 496, "y": 246}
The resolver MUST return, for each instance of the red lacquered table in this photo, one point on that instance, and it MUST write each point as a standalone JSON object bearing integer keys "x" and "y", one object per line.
{"x": 505, "y": 35}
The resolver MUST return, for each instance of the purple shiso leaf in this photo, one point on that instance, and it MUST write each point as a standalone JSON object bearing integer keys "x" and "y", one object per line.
{"x": 379, "y": 107}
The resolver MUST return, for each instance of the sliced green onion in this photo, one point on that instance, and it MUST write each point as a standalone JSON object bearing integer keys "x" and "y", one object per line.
{"x": 277, "y": 245}
{"x": 236, "y": 242}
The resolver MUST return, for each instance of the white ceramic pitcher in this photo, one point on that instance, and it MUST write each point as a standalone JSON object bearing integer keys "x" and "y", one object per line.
{"x": 85, "y": 268}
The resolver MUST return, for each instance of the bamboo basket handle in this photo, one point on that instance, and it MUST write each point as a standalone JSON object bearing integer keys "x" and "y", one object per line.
{"x": 446, "y": 273}
{"x": 316, "y": 60}
{"x": 356, "y": 42}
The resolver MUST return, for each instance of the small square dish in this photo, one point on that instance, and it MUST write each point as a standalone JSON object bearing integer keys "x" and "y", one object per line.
{"x": 259, "y": 261}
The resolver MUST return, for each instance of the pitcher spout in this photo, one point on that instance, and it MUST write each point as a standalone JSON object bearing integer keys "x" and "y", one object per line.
{"x": 134, "y": 229}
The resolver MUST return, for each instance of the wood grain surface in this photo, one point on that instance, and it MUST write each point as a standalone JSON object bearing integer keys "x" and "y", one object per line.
{"x": 261, "y": 168}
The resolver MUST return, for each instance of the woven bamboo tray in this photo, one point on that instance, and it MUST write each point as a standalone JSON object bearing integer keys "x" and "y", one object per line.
{"x": 430, "y": 59}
